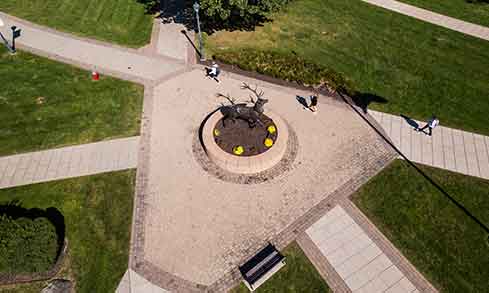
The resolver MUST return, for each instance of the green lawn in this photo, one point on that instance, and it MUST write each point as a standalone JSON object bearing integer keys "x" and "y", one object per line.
{"x": 461, "y": 9}
{"x": 438, "y": 238}
{"x": 45, "y": 104}
{"x": 97, "y": 212}
{"x": 35, "y": 287}
{"x": 298, "y": 275}
{"x": 419, "y": 68}
{"x": 119, "y": 21}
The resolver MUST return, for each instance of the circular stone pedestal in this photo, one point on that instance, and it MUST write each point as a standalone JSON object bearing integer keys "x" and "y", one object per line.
{"x": 249, "y": 164}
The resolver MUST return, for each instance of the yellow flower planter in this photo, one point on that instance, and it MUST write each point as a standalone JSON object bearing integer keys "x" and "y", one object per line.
{"x": 238, "y": 150}
{"x": 271, "y": 129}
{"x": 268, "y": 142}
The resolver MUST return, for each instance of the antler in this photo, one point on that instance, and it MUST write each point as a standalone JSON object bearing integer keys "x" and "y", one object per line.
{"x": 228, "y": 97}
{"x": 255, "y": 91}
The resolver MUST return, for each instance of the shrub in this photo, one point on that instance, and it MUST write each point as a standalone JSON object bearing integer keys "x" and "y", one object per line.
{"x": 27, "y": 245}
{"x": 285, "y": 66}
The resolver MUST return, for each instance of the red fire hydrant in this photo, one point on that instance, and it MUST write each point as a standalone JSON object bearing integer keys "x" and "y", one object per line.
{"x": 95, "y": 75}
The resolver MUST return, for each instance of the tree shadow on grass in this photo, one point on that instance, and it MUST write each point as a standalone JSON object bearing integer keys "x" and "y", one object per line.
{"x": 177, "y": 11}
{"x": 14, "y": 210}
{"x": 363, "y": 100}
{"x": 181, "y": 11}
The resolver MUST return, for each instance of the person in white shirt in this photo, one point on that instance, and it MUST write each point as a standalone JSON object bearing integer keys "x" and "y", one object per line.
{"x": 432, "y": 123}
{"x": 313, "y": 103}
{"x": 214, "y": 71}
{"x": 310, "y": 103}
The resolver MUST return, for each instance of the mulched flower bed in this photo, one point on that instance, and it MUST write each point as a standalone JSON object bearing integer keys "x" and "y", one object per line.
{"x": 238, "y": 133}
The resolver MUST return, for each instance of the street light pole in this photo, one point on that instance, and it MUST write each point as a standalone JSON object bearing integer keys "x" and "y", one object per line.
{"x": 201, "y": 46}
{"x": 14, "y": 32}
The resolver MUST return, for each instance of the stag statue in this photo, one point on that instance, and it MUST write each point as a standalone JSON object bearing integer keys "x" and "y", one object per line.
{"x": 251, "y": 114}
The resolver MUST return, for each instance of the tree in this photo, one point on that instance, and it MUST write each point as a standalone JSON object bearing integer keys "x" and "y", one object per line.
{"x": 237, "y": 14}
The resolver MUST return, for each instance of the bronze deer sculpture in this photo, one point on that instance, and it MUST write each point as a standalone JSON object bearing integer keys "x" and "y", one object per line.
{"x": 251, "y": 114}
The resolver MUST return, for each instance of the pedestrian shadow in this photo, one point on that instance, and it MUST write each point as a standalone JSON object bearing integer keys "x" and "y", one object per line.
{"x": 302, "y": 101}
{"x": 363, "y": 100}
{"x": 410, "y": 121}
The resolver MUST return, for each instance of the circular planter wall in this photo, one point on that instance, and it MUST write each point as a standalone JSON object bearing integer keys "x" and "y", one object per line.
{"x": 245, "y": 164}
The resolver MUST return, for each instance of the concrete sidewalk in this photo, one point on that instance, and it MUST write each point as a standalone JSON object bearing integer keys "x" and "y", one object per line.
{"x": 450, "y": 149}
{"x": 356, "y": 258}
{"x": 464, "y": 27}
{"x": 93, "y": 55}
{"x": 68, "y": 162}
{"x": 132, "y": 282}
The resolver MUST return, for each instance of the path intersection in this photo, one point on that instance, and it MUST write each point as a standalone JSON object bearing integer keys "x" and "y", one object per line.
{"x": 192, "y": 228}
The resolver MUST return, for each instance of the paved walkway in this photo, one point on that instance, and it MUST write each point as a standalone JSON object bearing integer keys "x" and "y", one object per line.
{"x": 450, "y": 149}
{"x": 468, "y": 28}
{"x": 357, "y": 260}
{"x": 93, "y": 55}
{"x": 68, "y": 162}
{"x": 171, "y": 41}
{"x": 132, "y": 282}
{"x": 213, "y": 222}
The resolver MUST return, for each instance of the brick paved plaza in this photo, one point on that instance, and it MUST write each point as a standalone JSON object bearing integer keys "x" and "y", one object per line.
{"x": 194, "y": 224}
{"x": 198, "y": 227}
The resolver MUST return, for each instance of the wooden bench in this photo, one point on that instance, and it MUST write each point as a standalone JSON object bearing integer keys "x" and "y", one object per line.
{"x": 262, "y": 266}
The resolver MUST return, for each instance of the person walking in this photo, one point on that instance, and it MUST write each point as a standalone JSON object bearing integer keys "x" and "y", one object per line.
{"x": 310, "y": 103}
{"x": 313, "y": 105}
{"x": 214, "y": 71}
{"x": 432, "y": 123}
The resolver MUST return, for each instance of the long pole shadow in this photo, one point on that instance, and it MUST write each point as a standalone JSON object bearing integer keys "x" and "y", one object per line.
{"x": 421, "y": 172}
{"x": 192, "y": 43}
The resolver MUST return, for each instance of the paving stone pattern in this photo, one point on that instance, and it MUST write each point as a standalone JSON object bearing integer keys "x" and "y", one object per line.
{"x": 450, "y": 149}
{"x": 68, "y": 162}
{"x": 355, "y": 257}
{"x": 217, "y": 225}
{"x": 467, "y": 28}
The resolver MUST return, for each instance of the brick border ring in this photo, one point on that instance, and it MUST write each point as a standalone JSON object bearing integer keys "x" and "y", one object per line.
{"x": 285, "y": 165}
{"x": 245, "y": 165}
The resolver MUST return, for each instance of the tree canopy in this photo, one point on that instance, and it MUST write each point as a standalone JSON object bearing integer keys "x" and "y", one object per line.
{"x": 238, "y": 13}
{"x": 217, "y": 14}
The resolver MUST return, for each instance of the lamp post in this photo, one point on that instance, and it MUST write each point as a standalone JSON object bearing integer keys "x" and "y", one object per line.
{"x": 15, "y": 35}
{"x": 201, "y": 46}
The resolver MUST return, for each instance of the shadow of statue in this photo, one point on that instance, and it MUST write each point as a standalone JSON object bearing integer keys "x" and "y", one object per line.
{"x": 14, "y": 210}
{"x": 363, "y": 100}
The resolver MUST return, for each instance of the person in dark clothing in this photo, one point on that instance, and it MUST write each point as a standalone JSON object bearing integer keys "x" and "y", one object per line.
{"x": 432, "y": 123}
